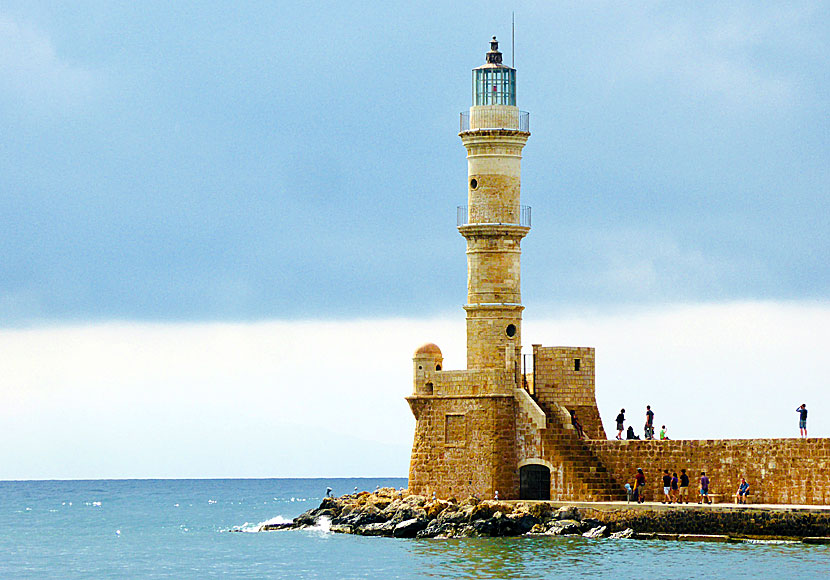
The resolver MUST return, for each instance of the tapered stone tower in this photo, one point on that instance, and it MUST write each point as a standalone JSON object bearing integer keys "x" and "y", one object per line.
{"x": 465, "y": 436}
{"x": 494, "y": 223}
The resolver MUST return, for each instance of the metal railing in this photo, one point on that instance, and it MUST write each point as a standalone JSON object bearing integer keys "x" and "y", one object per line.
{"x": 518, "y": 215}
{"x": 496, "y": 119}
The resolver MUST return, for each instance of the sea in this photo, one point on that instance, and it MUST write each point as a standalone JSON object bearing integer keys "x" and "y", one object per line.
{"x": 210, "y": 528}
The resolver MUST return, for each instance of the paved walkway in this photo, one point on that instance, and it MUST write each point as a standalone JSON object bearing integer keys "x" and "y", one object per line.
{"x": 657, "y": 506}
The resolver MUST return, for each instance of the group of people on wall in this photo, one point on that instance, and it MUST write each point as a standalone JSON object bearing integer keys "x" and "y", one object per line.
{"x": 676, "y": 489}
{"x": 648, "y": 429}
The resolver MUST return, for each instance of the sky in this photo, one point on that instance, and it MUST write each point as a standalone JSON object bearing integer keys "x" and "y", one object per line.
{"x": 227, "y": 228}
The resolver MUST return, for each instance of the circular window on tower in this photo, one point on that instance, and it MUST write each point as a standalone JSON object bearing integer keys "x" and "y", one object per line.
{"x": 473, "y": 183}
{"x": 511, "y": 330}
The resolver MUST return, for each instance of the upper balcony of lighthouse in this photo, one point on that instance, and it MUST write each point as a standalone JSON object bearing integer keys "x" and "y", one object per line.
{"x": 494, "y": 97}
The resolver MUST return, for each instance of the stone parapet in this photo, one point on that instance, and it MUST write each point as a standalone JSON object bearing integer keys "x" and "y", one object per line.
{"x": 779, "y": 471}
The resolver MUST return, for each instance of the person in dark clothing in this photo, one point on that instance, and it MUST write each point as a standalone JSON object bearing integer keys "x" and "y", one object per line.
{"x": 630, "y": 433}
{"x": 802, "y": 420}
{"x": 649, "y": 428}
{"x": 620, "y": 422}
{"x": 666, "y": 486}
{"x": 674, "y": 490}
{"x": 704, "y": 488}
{"x": 577, "y": 425}
{"x": 684, "y": 486}
{"x": 639, "y": 485}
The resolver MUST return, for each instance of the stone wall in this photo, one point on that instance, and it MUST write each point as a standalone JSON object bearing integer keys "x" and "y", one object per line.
{"x": 565, "y": 376}
{"x": 779, "y": 471}
{"x": 464, "y": 446}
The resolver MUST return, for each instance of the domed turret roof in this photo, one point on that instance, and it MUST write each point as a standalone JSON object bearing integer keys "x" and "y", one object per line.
{"x": 428, "y": 348}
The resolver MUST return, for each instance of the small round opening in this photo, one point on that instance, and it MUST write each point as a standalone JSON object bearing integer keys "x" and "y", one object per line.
{"x": 420, "y": 368}
{"x": 437, "y": 367}
{"x": 473, "y": 183}
{"x": 511, "y": 330}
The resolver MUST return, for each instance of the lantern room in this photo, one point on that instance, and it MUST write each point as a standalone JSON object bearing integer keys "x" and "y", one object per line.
{"x": 494, "y": 83}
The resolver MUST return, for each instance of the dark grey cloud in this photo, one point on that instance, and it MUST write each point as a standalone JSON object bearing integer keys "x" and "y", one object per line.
{"x": 197, "y": 163}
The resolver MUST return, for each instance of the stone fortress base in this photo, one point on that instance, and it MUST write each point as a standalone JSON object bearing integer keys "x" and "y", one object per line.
{"x": 521, "y": 442}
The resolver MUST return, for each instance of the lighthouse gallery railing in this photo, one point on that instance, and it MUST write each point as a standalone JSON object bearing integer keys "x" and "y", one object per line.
{"x": 518, "y": 215}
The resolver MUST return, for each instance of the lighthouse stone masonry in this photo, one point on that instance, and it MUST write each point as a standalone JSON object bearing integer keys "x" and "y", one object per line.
{"x": 504, "y": 426}
{"x": 478, "y": 430}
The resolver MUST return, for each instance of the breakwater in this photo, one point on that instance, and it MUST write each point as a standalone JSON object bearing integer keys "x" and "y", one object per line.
{"x": 396, "y": 513}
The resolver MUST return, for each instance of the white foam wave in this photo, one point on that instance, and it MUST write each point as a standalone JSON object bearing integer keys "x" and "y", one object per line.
{"x": 254, "y": 528}
{"x": 323, "y": 525}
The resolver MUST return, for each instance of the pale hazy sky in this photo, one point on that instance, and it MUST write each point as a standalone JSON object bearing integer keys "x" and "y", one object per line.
{"x": 227, "y": 228}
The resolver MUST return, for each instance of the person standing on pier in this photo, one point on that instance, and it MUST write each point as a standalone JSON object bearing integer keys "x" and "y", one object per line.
{"x": 649, "y": 430}
{"x": 620, "y": 424}
{"x": 802, "y": 421}
{"x": 684, "y": 486}
{"x": 639, "y": 485}
{"x": 704, "y": 488}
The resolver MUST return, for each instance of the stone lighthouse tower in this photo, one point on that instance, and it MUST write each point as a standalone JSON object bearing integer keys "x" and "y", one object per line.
{"x": 465, "y": 436}
{"x": 494, "y": 133}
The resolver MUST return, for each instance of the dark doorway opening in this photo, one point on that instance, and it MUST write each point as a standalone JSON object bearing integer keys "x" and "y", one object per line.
{"x": 534, "y": 482}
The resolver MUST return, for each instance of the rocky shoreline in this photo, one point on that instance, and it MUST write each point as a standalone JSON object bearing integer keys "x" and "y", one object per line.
{"x": 396, "y": 513}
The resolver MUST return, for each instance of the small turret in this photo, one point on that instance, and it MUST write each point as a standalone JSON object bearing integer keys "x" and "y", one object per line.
{"x": 426, "y": 360}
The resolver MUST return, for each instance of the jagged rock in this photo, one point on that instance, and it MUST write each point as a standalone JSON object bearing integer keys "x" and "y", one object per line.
{"x": 437, "y": 528}
{"x": 466, "y": 531}
{"x": 433, "y": 509}
{"x": 388, "y": 492}
{"x": 564, "y": 527}
{"x": 522, "y": 523}
{"x": 538, "y": 529}
{"x": 376, "y": 529}
{"x": 408, "y": 513}
{"x": 568, "y": 513}
{"x": 487, "y": 508}
{"x": 485, "y": 528}
{"x": 409, "y": 528}
{"x": 368, "y": 514}
{"x": 275, "y": 527}
{"x": 341, "y": 529}
{"x": 597, "y": 532}
{"x": 380, "y": 502}
{"x": 305, "y": 519}
{"x": 626, "y": 533}
{"x": 415, "y": 500}
{"x": 452, "y": 516}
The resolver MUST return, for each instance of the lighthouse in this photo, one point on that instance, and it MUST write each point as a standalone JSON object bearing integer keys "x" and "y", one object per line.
{"x": 465, "y": 435}
{"x": 493, "y": 222}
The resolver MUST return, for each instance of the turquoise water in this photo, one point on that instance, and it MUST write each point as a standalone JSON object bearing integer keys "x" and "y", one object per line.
{"x": 179, "y": 529}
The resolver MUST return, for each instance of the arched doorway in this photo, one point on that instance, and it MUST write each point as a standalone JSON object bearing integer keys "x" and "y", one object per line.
{"x": 534, "y": 482}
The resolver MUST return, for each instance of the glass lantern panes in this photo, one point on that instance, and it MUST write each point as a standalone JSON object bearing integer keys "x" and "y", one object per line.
{"x": 494, "y": 86}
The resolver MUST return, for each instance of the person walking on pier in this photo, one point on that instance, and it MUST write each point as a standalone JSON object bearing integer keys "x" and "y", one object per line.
{"x": 649, "y": 430}
{"x": 674, "y": 490}
{"x": 802, "y": 421}
{"x": 684, "y": 486}
{"x": 666, "y": 486}
{"x": 620, "y": 426}
{"x": 704, "y": 488}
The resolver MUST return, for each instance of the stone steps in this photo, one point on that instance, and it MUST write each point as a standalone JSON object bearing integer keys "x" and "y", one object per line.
{"x": 587, "y": 477}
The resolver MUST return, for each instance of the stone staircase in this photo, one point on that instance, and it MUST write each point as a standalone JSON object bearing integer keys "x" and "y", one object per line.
{"x": 582, "y": 476}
